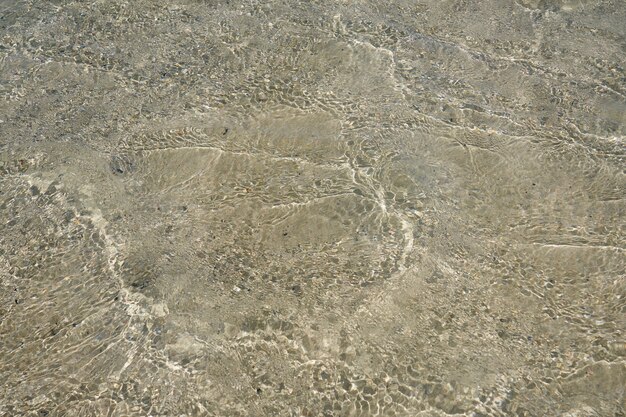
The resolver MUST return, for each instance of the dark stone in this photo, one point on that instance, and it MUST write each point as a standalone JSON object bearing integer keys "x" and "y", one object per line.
{"x": 297, "y": 289}
{"x": 121, "y": 164}
{"x": 51, "y": 190}
{"x": 68, "y": 216}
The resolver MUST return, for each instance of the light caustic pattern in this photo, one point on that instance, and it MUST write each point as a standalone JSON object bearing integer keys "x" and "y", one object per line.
{"x": 312, "y": 209}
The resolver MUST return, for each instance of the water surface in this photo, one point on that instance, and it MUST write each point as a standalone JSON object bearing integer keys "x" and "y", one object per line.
{"x": 317, "y": 208}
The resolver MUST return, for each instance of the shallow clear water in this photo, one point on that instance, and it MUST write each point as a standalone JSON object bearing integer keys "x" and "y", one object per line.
{"x": 312, "y": 208}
